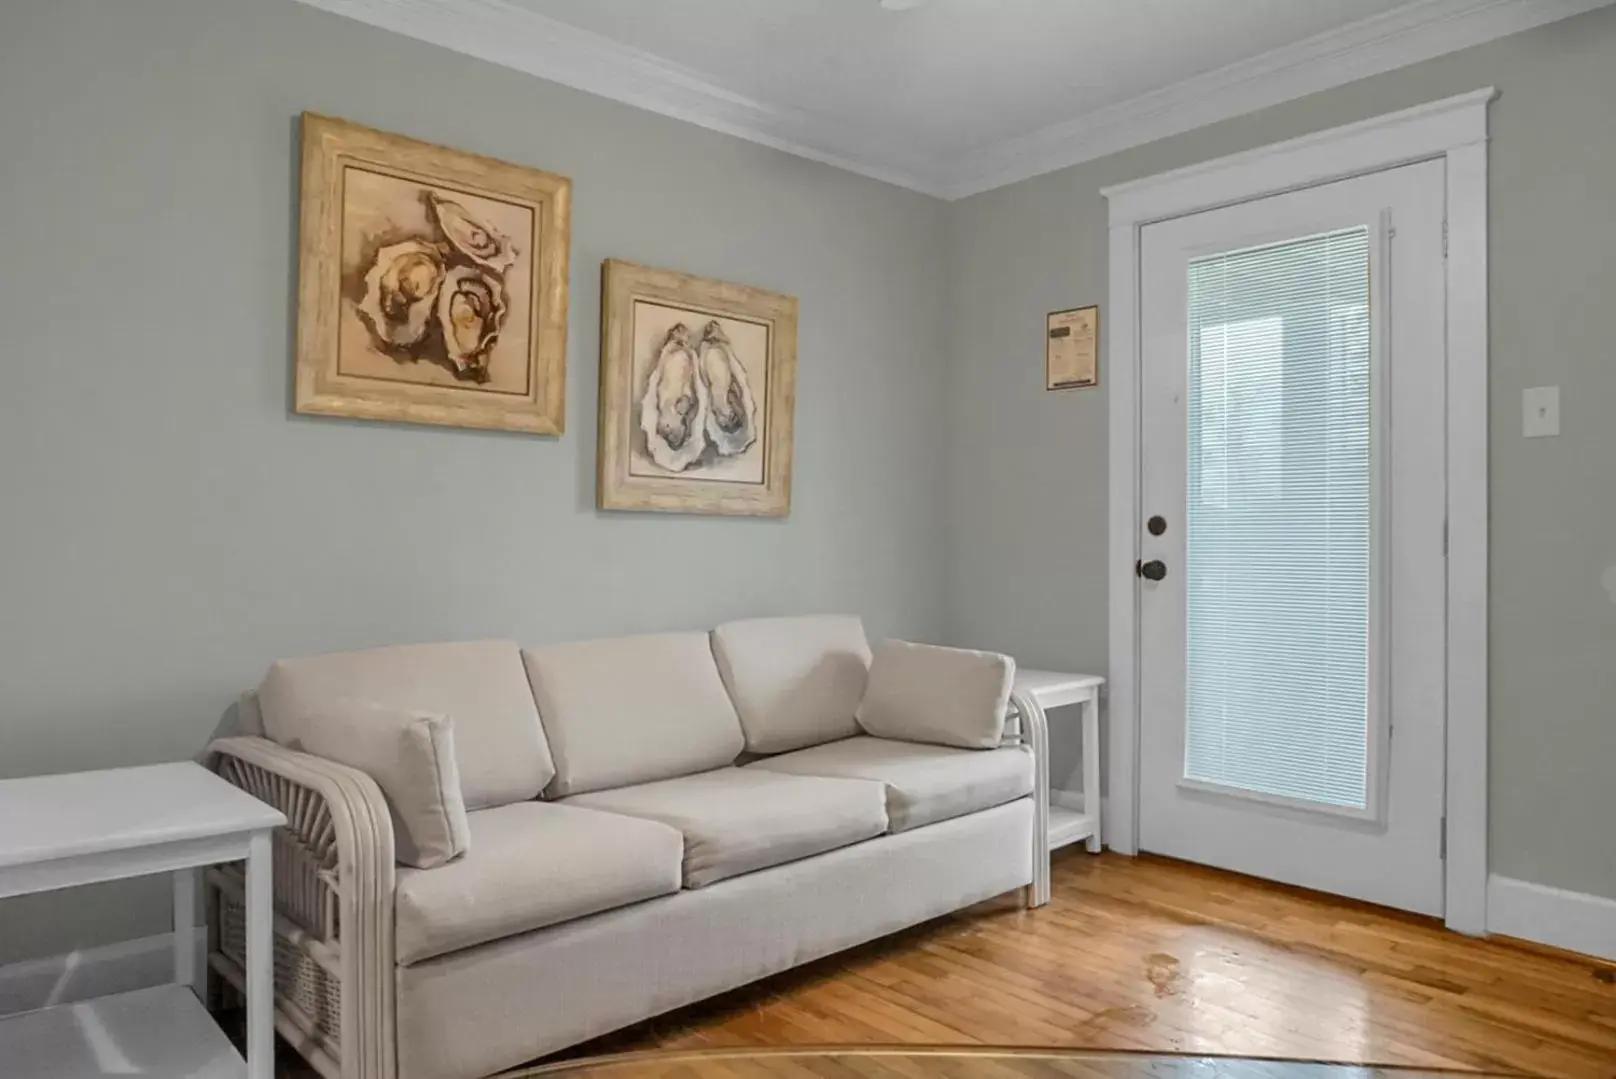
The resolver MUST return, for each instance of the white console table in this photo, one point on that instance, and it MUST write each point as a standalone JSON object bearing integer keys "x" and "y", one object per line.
{"x": 1067, "y": 816}
{"x": 65, "y": 830}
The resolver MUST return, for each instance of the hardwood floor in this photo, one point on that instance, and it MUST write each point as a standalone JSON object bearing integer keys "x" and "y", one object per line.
{"x": 1149, "y": 954}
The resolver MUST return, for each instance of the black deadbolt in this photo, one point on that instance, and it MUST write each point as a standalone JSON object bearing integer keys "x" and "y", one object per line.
{"x": 1157, "y": 525}
{"x": 1154, "y": 570}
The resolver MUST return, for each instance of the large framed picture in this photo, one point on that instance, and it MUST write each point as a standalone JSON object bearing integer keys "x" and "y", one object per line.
{"x": 697, "y": 386}
{"x": 432, "y": 284}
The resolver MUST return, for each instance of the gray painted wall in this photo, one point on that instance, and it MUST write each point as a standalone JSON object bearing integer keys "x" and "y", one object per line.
{"x": 1027, "y": 469}
{"x": 169, "y": 528}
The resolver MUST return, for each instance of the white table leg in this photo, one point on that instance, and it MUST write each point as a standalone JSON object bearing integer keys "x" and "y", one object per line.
{"x": 1091, "y": 767}
{"x": 185, "y": 929}
{"x": 260, "y": 971}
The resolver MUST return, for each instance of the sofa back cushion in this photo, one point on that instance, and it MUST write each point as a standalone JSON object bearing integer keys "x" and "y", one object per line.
{"x": 480, "y": 685}
{"x": 632, "y": 709}
{"x": 796, "y": 682}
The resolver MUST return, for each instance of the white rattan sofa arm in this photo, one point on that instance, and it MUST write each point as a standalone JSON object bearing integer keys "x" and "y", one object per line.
{"x": 339, "y": 825}
{"x": 1034, "y": 733}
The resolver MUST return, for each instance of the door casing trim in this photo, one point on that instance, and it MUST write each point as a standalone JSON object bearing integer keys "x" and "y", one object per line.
{"x": 1455, "y": 130}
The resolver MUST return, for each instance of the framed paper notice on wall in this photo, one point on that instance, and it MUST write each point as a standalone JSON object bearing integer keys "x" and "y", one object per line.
{"x": 1072, "y": 349}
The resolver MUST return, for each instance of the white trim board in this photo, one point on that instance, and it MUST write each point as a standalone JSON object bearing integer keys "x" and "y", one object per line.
{"x": 94, "y": 972}
{"x": 1575, "y": 921}
{"x": 516, "y": 37}
{"x": 1395, "y": 39}
{"x": 1455, "y": 130}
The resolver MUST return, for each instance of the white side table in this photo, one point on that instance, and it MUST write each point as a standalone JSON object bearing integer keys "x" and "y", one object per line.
{"x": 1036, "y": 692}
{"x": 65, "y": 830}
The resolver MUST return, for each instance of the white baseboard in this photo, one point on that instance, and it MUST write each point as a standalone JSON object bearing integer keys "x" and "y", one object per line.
{"x": 93, "y": 972}
{"x": 1575, "y": 921}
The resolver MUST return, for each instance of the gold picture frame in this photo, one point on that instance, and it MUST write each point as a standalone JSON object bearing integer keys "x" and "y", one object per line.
{"x": 697, "y": 391}
{"x": 1072, "y": 348}
{"x": 432, "y": 284}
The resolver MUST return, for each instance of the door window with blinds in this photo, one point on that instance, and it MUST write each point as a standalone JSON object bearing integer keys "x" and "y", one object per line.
{"x": 1280, "y": 703}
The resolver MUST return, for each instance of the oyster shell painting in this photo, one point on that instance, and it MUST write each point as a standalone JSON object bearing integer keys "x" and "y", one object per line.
{"x": 675, "y": 409}
{"x": 698, "y": 381}
{"x": 697, "y": 394}
{"x": 436, "y": 284}
{"x": 432, "y": 284}
{"x": 732, "y": 411}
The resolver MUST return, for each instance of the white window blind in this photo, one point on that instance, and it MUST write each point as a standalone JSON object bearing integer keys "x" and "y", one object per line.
{"x": 1278, "y": 521}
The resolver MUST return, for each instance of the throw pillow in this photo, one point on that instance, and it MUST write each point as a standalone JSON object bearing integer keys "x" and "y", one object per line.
{"x": 411, "y": 757}
{"x": 944, "y": 696}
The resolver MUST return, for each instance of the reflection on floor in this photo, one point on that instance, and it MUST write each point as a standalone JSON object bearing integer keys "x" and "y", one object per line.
{"x": 1149, "y": 954}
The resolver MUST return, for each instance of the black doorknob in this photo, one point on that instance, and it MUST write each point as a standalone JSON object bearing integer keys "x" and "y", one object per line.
{"x": 1154, "y": 570}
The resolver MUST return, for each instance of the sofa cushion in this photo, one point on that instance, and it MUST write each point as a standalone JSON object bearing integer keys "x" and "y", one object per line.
{"x": 480, "y": 685}
{"x": 532, "y": 864}
{"x": 924, "y": 783}
{"x": 795, "y": 681}
{"x": 735, "y": 820}
{"x": 945, "y": 696}
{"x": 632, "y": 709}
{"x": 410, "y": 755}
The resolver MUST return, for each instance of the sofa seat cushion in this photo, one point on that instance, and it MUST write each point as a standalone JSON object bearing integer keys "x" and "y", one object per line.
{"x": 632, "y": 709}
{"x": 736, "y": 820}
{"x": 480, "y": 685}
{"x": 796, "y": 682}
{"x": 924, "y": 783}
{"x": 532, "y": 864}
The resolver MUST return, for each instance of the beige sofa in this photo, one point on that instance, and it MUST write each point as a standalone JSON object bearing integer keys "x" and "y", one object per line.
{"x": 652, "y": 820}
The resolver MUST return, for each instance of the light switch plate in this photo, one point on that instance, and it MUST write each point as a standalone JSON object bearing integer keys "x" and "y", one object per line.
{"x": 1540, "y": 410}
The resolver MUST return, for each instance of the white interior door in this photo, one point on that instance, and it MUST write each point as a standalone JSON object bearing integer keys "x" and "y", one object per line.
{"x": 1292, "y": 650}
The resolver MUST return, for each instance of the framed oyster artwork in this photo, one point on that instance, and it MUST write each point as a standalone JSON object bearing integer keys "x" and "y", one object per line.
{"x": 432, "y": 284}
{"x": 697, "y": 385}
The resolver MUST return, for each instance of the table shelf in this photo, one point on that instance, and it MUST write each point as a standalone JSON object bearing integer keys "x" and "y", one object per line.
{"x": 162, "y": 1031}
{"x": 1068, "y": 826}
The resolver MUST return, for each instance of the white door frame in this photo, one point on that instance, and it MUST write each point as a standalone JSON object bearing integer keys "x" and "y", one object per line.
{"x": 1454, "y": 129}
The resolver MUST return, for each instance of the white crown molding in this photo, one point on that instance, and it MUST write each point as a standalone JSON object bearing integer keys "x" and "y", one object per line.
{"x": 1398, "y": 38}
{"x": 515, "y": 37}
{"x": 512, "y": 36}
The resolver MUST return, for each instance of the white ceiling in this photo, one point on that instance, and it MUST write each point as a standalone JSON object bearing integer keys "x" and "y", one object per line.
{"x": 956, "y": 96}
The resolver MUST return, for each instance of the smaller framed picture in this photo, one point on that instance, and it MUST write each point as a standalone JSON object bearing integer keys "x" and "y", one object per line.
{"x": 697, "y": 389}
{"x": 1072, "y": 349}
